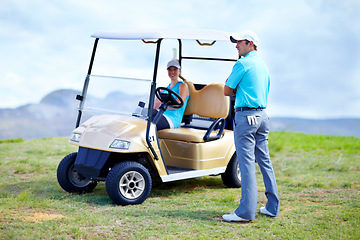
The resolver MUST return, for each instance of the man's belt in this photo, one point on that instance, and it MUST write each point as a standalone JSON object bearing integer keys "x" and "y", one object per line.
{"x": 241, "y": 109}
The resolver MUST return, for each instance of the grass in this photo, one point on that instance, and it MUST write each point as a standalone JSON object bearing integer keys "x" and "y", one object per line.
{"x": 318, "y": 179}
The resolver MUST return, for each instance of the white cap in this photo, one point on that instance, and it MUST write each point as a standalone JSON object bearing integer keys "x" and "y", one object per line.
{"x": 250, "y": 36}
{"x": 173, "y": 63}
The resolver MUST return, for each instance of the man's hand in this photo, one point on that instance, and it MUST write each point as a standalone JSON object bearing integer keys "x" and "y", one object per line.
{"x": 229, "y": 91}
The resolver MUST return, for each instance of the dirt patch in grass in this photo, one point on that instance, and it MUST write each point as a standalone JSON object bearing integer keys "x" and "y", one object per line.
{"x": 38, "y": 216}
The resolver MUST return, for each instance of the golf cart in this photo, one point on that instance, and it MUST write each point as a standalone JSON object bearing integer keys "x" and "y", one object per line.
{"x": 126, "y": 150}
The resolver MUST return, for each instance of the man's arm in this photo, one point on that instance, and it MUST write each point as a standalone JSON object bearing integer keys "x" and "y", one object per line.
{"x": 229, "y": 91}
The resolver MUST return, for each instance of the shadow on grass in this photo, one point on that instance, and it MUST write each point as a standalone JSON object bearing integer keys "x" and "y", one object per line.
{"x": 50, "y": 189}
{"x": 188, "y": 185}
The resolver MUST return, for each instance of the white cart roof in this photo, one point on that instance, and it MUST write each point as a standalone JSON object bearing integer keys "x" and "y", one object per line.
{"x": 211, "y": 35}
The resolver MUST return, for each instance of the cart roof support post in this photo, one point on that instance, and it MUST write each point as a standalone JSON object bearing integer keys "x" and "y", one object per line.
{"x": 86, "y": 84}
{"x": 151, "y": 99}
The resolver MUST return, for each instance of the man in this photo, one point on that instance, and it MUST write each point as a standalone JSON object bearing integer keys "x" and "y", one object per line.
{"x": 249, "y": 81}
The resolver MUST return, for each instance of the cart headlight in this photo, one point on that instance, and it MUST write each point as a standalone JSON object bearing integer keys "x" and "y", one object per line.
{"x": 75, "y": 137}
{"x": 120, "y": 144}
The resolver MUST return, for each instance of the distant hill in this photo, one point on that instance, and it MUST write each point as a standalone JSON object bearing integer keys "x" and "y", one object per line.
{"x": 336, "y": 127}
{"x": 55, "y": 115}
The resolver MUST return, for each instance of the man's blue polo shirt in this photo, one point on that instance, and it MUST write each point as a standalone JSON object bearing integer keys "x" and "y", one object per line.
{"x": 250, "y": 77}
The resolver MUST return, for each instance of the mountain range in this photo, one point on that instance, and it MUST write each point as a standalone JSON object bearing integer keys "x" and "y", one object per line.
{"x": 55, "y": 115}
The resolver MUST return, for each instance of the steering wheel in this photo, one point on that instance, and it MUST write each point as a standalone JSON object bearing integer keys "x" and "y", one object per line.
{"x": 169, "y": 97}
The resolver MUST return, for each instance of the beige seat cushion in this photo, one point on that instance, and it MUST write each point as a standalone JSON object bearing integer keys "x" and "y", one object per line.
{"x": 184, "y": 134}
{"x": 209, "y": 101}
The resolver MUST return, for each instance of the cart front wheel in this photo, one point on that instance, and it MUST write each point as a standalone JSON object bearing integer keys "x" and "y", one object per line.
{"x": 70, "y": 180}
{"x": 128, "y": 183}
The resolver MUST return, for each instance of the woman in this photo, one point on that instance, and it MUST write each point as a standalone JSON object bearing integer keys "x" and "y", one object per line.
{"x": 172, "y": 117}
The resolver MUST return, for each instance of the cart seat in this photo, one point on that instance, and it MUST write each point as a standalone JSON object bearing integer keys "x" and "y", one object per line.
{"x": 183, "y": 134}
{"x": 208, "y": 102}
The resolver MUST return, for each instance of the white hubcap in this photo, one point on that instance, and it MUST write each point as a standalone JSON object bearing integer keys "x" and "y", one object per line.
{"x": 132, "y": 185}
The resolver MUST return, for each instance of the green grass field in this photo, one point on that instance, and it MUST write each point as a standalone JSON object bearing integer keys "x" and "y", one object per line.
{"x": 318, "y": 180}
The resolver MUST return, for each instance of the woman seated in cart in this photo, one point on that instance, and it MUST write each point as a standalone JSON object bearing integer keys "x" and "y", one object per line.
{"x": 172, "y": 117}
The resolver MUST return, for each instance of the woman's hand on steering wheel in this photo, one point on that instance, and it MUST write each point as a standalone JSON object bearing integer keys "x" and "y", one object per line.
{"x": 169, "y": 97}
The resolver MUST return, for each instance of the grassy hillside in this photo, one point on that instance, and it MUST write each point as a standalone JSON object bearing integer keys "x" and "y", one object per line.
{"x": 318, "y": 179}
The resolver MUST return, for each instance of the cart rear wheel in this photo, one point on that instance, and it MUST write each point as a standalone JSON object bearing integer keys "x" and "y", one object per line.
{"x": 70, "y": 180}
{"x": 128, "y": 183}
{"x": 232, "y": 177}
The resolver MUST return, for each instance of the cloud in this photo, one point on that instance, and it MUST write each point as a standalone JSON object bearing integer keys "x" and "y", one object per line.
{"x": 315, "y": 59}
{"x": 310, "y": 47}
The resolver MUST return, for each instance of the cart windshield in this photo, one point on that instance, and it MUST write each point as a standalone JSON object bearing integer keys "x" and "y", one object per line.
{"x": 120, "y": 96}
{"x": 123, "y": 71}
{"x": 121, "y": 77}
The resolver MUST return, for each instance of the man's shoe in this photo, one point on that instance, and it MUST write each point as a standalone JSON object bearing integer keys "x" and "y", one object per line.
{"x": 264, "y": 211}
{"x": 232, "y": 217}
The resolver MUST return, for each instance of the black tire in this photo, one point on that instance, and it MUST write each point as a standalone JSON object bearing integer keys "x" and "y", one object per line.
{"x": 232, "y": 177}
{"x": 70, "y": 180}
{"x": 128, "y": 183}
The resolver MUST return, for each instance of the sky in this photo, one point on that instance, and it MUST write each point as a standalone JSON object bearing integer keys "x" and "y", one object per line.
{"x": 311, "y": 47}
